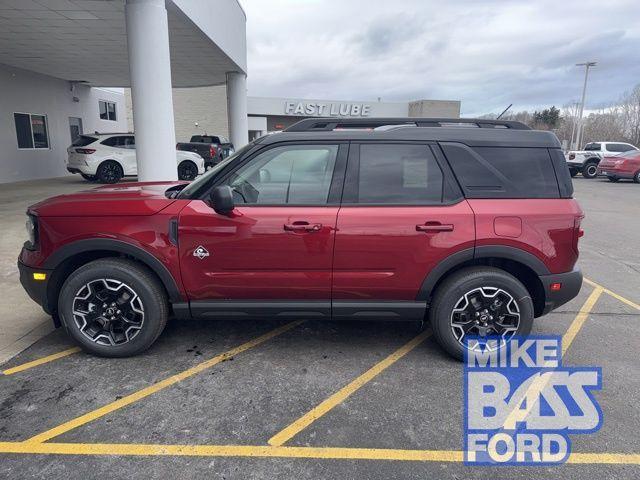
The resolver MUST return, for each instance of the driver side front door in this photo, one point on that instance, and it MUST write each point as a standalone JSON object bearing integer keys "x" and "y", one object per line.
{"x": 274, "y": 252}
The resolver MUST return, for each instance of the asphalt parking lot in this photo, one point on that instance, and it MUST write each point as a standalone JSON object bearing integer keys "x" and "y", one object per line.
{"x": 313, "y": 400}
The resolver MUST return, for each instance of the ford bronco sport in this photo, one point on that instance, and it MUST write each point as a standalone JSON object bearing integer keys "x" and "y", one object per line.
{"x": 469, "y": 223}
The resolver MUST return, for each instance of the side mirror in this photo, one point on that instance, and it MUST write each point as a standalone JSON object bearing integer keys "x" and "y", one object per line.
{"x": 222, "y": 200}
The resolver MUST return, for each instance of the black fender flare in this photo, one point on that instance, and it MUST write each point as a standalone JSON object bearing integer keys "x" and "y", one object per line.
{"x": 107, "y": 244}
{"x": 487, "y": 251}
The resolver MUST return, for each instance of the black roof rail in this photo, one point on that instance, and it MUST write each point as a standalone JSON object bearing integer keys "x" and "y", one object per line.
{"x": 328, "y": 124}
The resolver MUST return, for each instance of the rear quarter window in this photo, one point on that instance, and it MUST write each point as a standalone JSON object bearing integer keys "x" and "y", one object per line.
{"x": 83, "y": 141}
{"x": 503, "y": 172}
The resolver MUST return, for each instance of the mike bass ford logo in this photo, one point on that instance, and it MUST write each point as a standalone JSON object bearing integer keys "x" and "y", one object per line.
{"x": 521, "y": 404}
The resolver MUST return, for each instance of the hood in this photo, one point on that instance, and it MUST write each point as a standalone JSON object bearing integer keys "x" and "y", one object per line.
{"x": 130, "y": 199}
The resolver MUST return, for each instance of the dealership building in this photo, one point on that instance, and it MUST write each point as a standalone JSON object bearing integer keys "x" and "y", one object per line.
{"x": 165, "y": 69}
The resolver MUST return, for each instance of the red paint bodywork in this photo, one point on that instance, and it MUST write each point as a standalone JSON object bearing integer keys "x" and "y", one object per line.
{"x": 625, "y": 167}
{"x": 357, "y": 252}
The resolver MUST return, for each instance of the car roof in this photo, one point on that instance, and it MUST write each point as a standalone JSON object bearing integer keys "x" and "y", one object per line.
{"x": 467, "y": 131}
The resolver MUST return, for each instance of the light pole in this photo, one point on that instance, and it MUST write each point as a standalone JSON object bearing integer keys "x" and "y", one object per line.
{"x": 586, "y": 66}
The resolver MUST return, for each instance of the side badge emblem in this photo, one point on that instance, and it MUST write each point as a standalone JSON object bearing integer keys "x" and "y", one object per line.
{"x": 200, "y": 252}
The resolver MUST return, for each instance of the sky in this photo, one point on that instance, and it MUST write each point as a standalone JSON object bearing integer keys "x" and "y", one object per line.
{"x": 487, "y": 54}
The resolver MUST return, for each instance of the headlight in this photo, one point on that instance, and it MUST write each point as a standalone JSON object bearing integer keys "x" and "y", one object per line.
{"x": 32, "y": 232}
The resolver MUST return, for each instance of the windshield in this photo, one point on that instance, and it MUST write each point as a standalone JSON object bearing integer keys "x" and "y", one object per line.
{"x": 197, "y": 183}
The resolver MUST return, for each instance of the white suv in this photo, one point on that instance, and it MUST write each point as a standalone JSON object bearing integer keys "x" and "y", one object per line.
{"x": 108, "y": 157}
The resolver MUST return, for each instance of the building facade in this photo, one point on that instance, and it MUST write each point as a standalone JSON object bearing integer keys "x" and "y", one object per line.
{"x": 40, "y": 116}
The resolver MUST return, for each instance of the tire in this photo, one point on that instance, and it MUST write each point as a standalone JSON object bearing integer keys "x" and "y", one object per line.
{"x": 89, "y": 178}
{"x": 128, "y": 290}
{"x": 613, "y": 179}
{"x": 109, "y": 172}
{"x": 187, "y": 170}
{"x": 590, "y": 170}
{"x": 573, "y": 172}
{"x": 636, "y": 177}
{"x": 474, "y": 283}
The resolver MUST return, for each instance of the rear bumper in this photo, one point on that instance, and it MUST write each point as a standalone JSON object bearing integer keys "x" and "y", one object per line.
{"x": 36, "y": 289}
{"x": 614, "y": 172}
{"x": 80, "y": 169}
{"x": 570, "y": 282}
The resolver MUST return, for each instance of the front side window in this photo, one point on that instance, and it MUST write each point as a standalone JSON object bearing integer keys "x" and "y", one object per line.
{"x": 398, "y": 174}
{"x": 592, "y": 147}
{"x": 107, "y": 110}
{"x": 31, "y": 130}
{"x": 294, "y": 174}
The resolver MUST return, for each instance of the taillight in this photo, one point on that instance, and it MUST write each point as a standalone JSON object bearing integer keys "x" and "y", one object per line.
{"x": 577, "y": 232}
{"x": 212, "y": 151}
{"x": 86, "y": 151}
{"x": 572, "y": 156}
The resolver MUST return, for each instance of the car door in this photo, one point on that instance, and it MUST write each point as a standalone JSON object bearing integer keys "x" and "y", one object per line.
{"x": 128, "y": 154}
{"x": 277, "y": 244}
{"x": 402, "y": 213}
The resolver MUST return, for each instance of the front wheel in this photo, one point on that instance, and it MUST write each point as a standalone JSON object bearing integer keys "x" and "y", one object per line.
{"x": 476, "y": 303}
{"x": 113, "y": 307}
{"x": 590, "y": 170}
{"x": 187, "y": 170}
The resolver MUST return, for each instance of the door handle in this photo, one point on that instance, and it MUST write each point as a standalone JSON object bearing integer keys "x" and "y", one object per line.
{"x": 435, "y": 227}
{"x": 302, "y": 227}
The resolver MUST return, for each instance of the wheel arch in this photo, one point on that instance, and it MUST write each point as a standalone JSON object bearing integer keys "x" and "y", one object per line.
{"x": 523, "y": 265}
{"x": 70, "y": 257}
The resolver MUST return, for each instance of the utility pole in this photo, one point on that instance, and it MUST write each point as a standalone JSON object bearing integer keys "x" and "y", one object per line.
{"x": 586, "y": 66}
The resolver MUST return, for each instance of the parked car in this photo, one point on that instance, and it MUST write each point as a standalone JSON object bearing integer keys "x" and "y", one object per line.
{"x": 586, "y": 161}
{"x": 212, "y": 148}
{"x": 474, "y": 229}
{"x": 108, "y": 157}
{"x": 625, "y": 165}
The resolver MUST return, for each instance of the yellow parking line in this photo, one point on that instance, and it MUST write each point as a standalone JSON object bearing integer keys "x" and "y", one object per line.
{"x": 40, "y": 361}
{"x": 341, "y": 395}
{"x": 156, "y": 387}
{"x": 519, "y": 414}
{"x": 613, "y": 294}
{"x": 333, "y": 453}
{"x": 581, "y": 317}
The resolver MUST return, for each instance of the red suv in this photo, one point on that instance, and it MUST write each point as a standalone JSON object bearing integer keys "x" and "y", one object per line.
{"x": 469, "y": 223}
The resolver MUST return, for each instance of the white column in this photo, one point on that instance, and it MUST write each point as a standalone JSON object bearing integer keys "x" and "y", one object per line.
{"x": 237, "y": 109}
{"x": 150, "y": 71}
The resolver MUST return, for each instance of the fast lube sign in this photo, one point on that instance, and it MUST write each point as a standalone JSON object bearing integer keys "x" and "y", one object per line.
{"x": 320, "y": 109}
{"x": 521, "y": 404}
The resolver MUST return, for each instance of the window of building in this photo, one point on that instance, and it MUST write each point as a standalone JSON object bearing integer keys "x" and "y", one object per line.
{"x": 31, "y": 130}
{"x": 107, "y": 110}
{"x": 295, "y": 174}
{"x": 398, "y": 174}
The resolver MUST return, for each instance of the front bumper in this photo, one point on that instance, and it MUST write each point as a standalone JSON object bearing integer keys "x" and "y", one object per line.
{"x": 570, "y": 282}
{"x": 36, "y": 289}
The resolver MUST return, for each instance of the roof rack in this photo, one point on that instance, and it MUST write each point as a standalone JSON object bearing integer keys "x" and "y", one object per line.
{"x": 329, "y": 124}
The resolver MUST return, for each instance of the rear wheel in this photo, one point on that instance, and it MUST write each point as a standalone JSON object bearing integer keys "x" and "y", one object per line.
{"x": 113, "y": 307}
{"x": 109, "y": 172}
{"x": 590, "y": 170}
{"x": 89, "y": 178}
{"x": 187, "y": 170}
{"x": 613, "y": 179}
{"x": 477, "y": 303}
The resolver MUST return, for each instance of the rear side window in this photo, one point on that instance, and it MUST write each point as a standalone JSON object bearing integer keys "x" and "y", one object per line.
{"x": 592, "y": 147}
{"x": 83, "y": 141}
{"x": 503, "y": 172}
{"x": 619, "y": 147}
{"x": 112, "y": 141}
{"x": 398, "y": 174}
